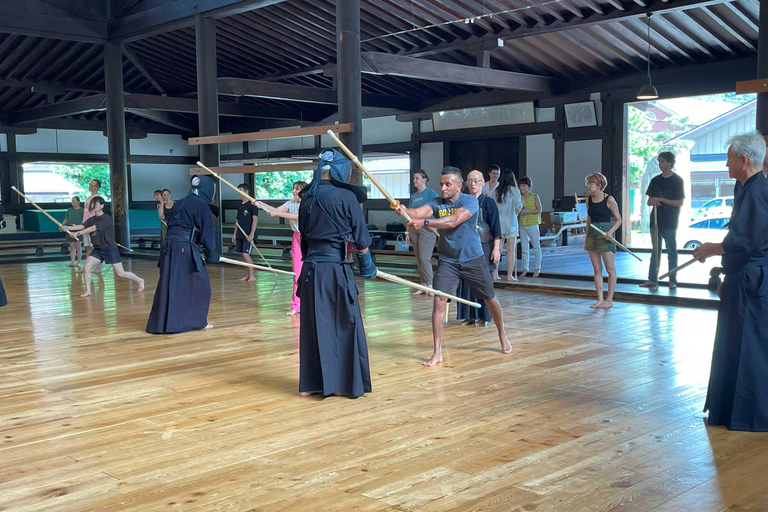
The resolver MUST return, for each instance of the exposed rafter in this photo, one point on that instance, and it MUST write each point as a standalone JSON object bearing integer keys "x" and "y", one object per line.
{"x": 177, "y": 14}
{"x": 135, "y": 61}
{"x": 630, "y": 12}
{"x": 54, "y": 27}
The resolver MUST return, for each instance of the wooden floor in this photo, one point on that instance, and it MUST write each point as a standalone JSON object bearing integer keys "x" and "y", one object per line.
{"x": 593, "y": 410}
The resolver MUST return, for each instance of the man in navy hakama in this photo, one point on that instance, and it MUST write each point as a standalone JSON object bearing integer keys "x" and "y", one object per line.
{"x": 333, "y": 349}
{"x": 183, "y": 292}
{"x": 737, "y": 396}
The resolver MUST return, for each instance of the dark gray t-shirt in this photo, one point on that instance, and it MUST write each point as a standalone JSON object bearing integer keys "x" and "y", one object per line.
{"x": 462, "y": 243}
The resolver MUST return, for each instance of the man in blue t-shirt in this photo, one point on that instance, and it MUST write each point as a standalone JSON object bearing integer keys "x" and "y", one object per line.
{"x": 461, "y": 253}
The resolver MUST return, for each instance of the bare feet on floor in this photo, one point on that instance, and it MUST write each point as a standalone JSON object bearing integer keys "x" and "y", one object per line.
{"x": 467, "y": 322}
{"x": 292, "y": 312}
{"x": 523, "y": 273}
{"x": 436, "y": 358}
{"x": 97, "y": 270}
{"x": 244, "y": 278}
{"x": 71, "y": 265}
{"x": 209, "y": 326}
{"x": 418, "y": 292}
{"x": 511, "y": 279}
{"x": 605, "y": 305}
{"x": 86, "y": 294}
{"x": 596, "y": 304}
{"x": 535, "y": 273}
{"x": 141, "y": 286}
{"x": 506, "y": 346}
{"x": 252, "y": 279}
{"x": 307, "y": 393}
{"x": 650, "y": 284}
{"x": 480, "y": 323}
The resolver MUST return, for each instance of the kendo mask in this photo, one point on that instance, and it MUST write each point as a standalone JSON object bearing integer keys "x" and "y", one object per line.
{"x": 340, "y": 169}
{"x": 204, "y": 187}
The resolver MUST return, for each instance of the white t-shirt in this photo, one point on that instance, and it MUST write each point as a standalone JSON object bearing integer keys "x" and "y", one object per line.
{"x": 487, "y": 189}
{"x": 293, "y": 207}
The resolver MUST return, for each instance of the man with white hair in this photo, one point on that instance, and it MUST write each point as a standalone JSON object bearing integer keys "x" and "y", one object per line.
{"x": 737, "y": 396}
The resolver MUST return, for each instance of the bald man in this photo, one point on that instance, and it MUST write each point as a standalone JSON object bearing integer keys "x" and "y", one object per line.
{"x": 461, "y": 254}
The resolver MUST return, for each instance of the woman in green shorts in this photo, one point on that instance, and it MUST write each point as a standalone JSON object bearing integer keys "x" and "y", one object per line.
{"x": 603, "y": 212}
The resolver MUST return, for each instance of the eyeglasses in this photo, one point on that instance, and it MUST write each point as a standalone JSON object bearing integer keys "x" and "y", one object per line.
{"x": 475, "y": 181}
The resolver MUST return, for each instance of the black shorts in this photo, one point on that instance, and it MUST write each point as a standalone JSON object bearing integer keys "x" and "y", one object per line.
{"x": 106, "y": 254}
{"x": 243, "y": 246}
{"x": 475, "y": 274}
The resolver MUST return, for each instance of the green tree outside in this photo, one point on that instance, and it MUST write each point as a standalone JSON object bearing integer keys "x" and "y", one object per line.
{"x": 82, "y": 174}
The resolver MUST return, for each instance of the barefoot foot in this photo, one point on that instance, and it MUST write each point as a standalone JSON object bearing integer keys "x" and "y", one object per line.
{"x": 436, "y": 358}
{"x": 480, "y": 323}
{"x": 209, "y": 326}
{"x": 244, "y": 278}
{"x": 467, "y": 322}
{"x": 535, "y": 273}
{"x": 418, "y": 292}
{"x": 141, "y": 286}
{"x": 596, "y": 304}
{"x": 292, "y": 312}
{"x": 506, "y": 346}
{"x": 251, "y": 280}
{"x": 511, "y": 279}
{"x": 86, "y": 294}
{"x": 605, "y": 305}
{"x": 524, "y": 273}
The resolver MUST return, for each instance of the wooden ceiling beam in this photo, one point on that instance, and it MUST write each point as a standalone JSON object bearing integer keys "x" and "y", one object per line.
{"x": 409, "y": 67}
{"x": 290, "y": 92}
{"x": 253, "y": 169}
{"x": 272, "y": 134}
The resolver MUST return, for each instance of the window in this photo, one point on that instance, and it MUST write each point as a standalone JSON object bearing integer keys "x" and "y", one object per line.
{"x": 701, "y": 224}
{"x": 729, "y": 202}
{"x": 393, "y": 172}
{"x": 717, "y": 223}
{"x": 47, "y": 182}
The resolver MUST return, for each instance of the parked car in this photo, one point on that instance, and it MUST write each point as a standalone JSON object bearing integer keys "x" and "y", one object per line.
{"x": 717, "y": 207}
{"x": 708, "y": 230}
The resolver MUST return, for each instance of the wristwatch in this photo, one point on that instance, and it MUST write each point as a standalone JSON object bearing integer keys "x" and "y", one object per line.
{"x": 426, "y": 222}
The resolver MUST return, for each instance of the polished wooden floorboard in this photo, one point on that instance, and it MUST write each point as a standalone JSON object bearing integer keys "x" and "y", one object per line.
{"x": 592, "y": 410}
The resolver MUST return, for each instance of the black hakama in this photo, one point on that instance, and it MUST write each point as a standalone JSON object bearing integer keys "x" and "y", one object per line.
{"x": 334, "y": 353}
{"x": 737, "y": 396}
{"x": 333, "y": 349}
{"x": 183, "y": 292}
{"x": 3, "y": 299}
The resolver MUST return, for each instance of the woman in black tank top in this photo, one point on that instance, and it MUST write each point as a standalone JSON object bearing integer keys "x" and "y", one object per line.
{"x": 603, "y": 213}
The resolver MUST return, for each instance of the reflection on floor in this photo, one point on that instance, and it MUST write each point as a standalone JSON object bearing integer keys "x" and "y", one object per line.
{"x": 592, "y": 411}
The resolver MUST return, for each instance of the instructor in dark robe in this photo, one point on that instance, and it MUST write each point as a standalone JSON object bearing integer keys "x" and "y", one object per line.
{"x": 183, "y": 292}
{"x": 333, "y": 350}
{"x": 737, "y": 396}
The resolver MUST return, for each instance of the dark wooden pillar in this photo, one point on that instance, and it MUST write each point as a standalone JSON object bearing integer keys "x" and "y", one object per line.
{"x": 118, "y": 153}
{"x": 415, "y": 154}
{"x": 208, "y": 103}
{"x": 559, "y": 181}
{"x": 11, "y": 173}
{"x": 762, "y": 68}
{"x": 348, "y": 76}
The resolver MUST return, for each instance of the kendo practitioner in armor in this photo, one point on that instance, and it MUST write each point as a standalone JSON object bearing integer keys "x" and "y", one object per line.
{"x": 183, "y": 292}
{"x": 333, "y": 350}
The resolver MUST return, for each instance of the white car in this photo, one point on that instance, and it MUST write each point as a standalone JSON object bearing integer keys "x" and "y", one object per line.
{"x": 717, "y": 207}
{"x": 708, "y": 230}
